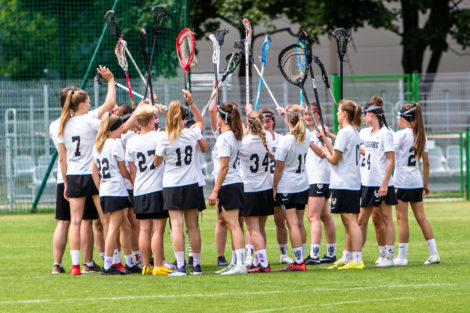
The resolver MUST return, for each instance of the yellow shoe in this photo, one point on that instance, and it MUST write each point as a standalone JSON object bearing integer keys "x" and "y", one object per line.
{"x": 351, "y": 265}
{"x": 147, "y": 270}
{"x": 162, "y": 270}
{"x": 337, "y": 264}
{"x": 166, "y": 269}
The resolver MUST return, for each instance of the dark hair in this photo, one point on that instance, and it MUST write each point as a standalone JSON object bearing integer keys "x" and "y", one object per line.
{"x": 271, "y": 111}
{"x": 413, "y": 114}
{"x": 229, "y": 112}
{"x": 124, "y": 112}
{"x": 352, "y": 110}
{"x": 375, "y": 105}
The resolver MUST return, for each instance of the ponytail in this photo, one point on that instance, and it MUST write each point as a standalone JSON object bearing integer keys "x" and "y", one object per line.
{"x": 174, "y": 124}
{"x": 254, "y": 118}
{"x": 294, "y": 114}
{"x": 72, "y": 102}
{"x": 105, "y": 128}
{"x": 231, "y": 115}
{"x": 353, "y": 112}
{"x": 413, "y": 113}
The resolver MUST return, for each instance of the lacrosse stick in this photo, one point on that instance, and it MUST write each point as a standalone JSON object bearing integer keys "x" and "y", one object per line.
{"x": 342, "y": 38}
{"x": 185, "y": 53}
{"x": 264, "y": 59}
{"x": 121, "y": 56}
{"x": 289, "y": 66}
{"x": 324, "y": 77}
{"x": 300, "y": 65}
{"x": 217, "y": 39}
{"x": 160, "y": 14}
{"x": 101, "y": 81}
{"x": 233, "y": 60}
{"x": 145, "y": 56}
{"x": 248, "y": 39}
{"x": 261, "y": 77}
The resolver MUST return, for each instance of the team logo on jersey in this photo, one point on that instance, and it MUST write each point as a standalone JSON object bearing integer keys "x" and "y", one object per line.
{"x": 333, "y": 201}
{"x": 372, "y": 144}
{"x": 320, "y": 186}
{"x": 376, "y": 193}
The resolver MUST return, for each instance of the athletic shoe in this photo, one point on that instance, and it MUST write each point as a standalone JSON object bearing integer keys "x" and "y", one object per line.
{"x": 385, "y": 262}
{"x": 337, "y": 264}
{"x": 113, "y": 270}
{"x": 312, "y": 261}
{"x": 294, "y": 267}
{"x": 91, "y": 269}
{"x": 221, "y": 261}
{"x": 249, "y": 261}
{"x": 120, "y": 266}
{"x": 190, "y": 261}
{"x": 328, "y": 259}
{"x": 285, "y": 259}
{"x": 167, "y": 265}
{"x": 351, "y": 265}
{"x": 135, "y": 269}
{"x": 181, "y": 271}
{"x": 147, "y": 270}
{"x": 196, "y": 270}
{"x": 260, "y": 269}
{"x": 139, "y": 263}
{"x": 162, "y": 270}
{"x": 433, "y": 259}
{"x": 400, "y": 261}
{"x": 380, "y": 258}
{"x": 57, "y": 269}
{"x": 75, "y": 271}
{"x": 225, "y": 269}
{"x": 236, "y": 270}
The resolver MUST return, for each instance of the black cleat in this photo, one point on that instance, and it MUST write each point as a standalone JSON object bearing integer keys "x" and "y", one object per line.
{"x": 328, "y": 259}
{"x": 135, "y": 269}
{"x": 312, "y": 261}
{"x": 221, "y": 261}
{"x": 113, "y": 270}
{"x": 190, "y": 261}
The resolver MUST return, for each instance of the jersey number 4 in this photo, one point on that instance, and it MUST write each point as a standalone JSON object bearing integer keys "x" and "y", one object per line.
{"x": 363, "y": 164}
{"x": 255, "y": 157}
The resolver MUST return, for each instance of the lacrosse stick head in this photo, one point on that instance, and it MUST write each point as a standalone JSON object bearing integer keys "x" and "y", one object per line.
{"x": 342, "y": 38}
{"x": 248, "y": 32}
{"x": 112, "y": 27}
{"x": 293, "y": 64}
{"x": 185, "y": 49}
{"x": 216, "y": 48}
{"x": 220, "y": 34}
{"x": 233, "y": 60}
{"x": 264, "y": 50}
{"x": 160, "y": 15}
{"x": 120, "y": 52}
{"x": 306, "y": 42}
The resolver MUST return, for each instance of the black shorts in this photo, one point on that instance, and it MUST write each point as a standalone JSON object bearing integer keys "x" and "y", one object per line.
{"x": 149, "y": 206}
{"x": 296, "y": 200}
{"x": 181, "y": 198}
{"x": 410, "y": 195}
{"x": 112, "y": 204}
{"x": 259, "y": 203}
{"x": 62, "y": 210}
{"x": 81, "y": 186}
{"x": 319, "y": 190}
{"x": 202, "y": 200}
{"x": 345, "y": 201}
{"x": 130, "y": 192}
{"x": 230, "y": 197}
{"x": 370, "y": 197}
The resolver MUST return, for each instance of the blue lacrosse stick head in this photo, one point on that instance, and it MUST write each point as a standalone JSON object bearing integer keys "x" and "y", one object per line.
{"x": 301, "y": 55}
{"x": 264, "y": 50}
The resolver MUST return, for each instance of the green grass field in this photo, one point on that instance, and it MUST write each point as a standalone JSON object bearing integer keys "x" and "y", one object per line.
{"x": 27, "y": 285}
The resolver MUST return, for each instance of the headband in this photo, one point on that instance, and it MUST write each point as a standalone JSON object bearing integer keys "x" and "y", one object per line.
{"x": 268, "y": 115}
{"x": 381, "y": 116}
{"x": 409, "y": 114}
{"x": 223, "y": 114}
{"x": 116, "y": 125}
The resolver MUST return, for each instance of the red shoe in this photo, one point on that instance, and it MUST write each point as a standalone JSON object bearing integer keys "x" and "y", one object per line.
{"x": 120, "y": 266}
{"x": 294, "y": 267}
{"x": 75, "y": 270}
{"x": 260, "y": 269}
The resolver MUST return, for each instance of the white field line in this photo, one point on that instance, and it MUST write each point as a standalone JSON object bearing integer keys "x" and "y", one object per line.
{"x": 284, "y": 292}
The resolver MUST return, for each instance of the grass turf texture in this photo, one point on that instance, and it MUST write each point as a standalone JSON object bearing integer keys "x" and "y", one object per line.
{"x": 27, "y": 285}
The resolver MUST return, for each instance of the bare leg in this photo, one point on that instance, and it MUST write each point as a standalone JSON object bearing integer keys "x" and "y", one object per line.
{"x": 86, "y": 240}
{"x": 363, "y": 221}
{"x": 59, "y": 240}
{"x": 98, "y": 235}
{"x": 378, "y": 218}
{"x": 145, "y": 236}
{"x": 402, "y": 220}
{"x": 157, "y": 241}
{"x": 220, "y": 234}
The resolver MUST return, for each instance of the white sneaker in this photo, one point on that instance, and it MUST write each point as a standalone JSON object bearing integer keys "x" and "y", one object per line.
{"x": 400, "y": 261}
{"x": 249, "y": 261}
{"x": 237, "y": 269}
{"x": 169, "y": 265}
{"x": 386, "y": 262}
{"x": 225, "y": 269}
{"x": 433, "y": 259}
{"x": 285, "y": 259}
{"x": 380, "y": 258}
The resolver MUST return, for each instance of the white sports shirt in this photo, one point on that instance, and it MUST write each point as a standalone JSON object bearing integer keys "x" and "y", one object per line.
{"x": 197, "y": 163}
{"x": 124, "y": 138}
{"x": 140, "y": 150}
{"x": 227, "y": 145}
{"x": 53, "y": 130}
{"x": 79, "y": 138}
{"x": 294, "y": 177}
{"x": 273, "y": 149}
{"x": 407, "y": 174}
{"x": 374, "y": 162}
{"x": 111, "y": 181}
{"x": 255, "y": 163}
{"x": 318, "y": 169}
{"x": 346, "y": 174}
{"x": 180, "y": 168}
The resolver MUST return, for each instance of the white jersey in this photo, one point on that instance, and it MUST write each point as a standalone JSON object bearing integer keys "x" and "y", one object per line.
{"x": 111, "y": 181}
{"x": 294, "y": 177}
{"x": 374, "y": 162}
{"x": 273, "y": 149}
{"x": 318, "y": 169}
{"x": 124, "y": 138}
{"x": 79, "y": 138}
{"x": 407, "y": 174}
{"x": 346, "y": 174}
{"x": 197, "y": 162}
{"x": 140, "y": 150}
{"x": 227, "y": 145}
{"x": 180, "y": 168}
{"x": 255, "y": 163}
{"x": 53, "y": 130}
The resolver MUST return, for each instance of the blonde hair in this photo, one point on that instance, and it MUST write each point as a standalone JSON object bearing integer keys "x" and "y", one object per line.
{"x": 254, "y": 119}
{"x": 72, "y": 101}
{"x": 144, "y": 114}
{"x": 235, "y": 120}
{"x": 174, "y": 119}
{"x": 353, "y": 112}
{"x": 107, "y": 120}
{"x": 295, "y": 116}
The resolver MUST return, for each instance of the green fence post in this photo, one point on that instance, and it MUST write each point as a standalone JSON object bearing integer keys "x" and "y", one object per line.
{"x": 34, "y": 207}
{"x": 336, "y": 86}
{"x": 462, "y": 178}
{"x": 467, "y": 161}
{"x": 415, "y": 83}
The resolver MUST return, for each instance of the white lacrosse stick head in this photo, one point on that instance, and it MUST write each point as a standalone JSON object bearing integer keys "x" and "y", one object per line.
{"x": 216, "y": 53}
{"x": 120, "y": 52}
{"x": 249, "y": 33}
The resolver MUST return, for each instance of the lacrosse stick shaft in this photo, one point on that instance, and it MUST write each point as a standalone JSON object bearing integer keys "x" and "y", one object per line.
{"x": 317, "y": 100}
{"x": 212, "y": 97}
{"x": 127, "y": 89}
{"x": 260, "y": 84}
{"x": 135, "y": 65}
{"x": 332, "y": 97}
{"x": 266, "y": 85}
{"x": 149, "y": 70}
{"x": 341, "y": 76}
{"x": 311, "y": 112}
{"x": 130, "y": 90}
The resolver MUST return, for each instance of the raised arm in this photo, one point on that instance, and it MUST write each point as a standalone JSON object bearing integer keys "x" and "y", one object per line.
{"x": 197, "y": 115}
{"x": 213, "y": 110}
{"x": 110, "y": 100}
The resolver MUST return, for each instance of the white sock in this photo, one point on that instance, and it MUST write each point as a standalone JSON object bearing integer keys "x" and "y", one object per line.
{"x": 432, "y": 246}
{"x": 347, "y": 256}
{"x": 298, "y": 257}
{"x": 108, "y": 262}
{"x": 75, "y": 254}
{"x": 179, "y": 259}
{"x": 304, "y": 248}
{"x": 240, "y": 257}
{"x": 129, "y": 260}
{"x": 116, "y": 257}
{"x": 283, "y": 249}
{"x": 390, "y": 250}
{"x": 89, "y": 264}
{"x": 137, "y": 255}
{"x": 249, "y": 251}
{"x": 234, "y": 258}
{"x": 262, "y": 257}
{"x": 190, "y": 251}
{"x": 255, "y": 260}
{"x": 382, "y": 250}
{"x": 314, "y": 251}
{"x": 196, "y": 259}
{"x": 331, "y": 249}
{"x": 102, "y": 256}
{"x": 357, "y": 257}
{"x": 402, "y": 250}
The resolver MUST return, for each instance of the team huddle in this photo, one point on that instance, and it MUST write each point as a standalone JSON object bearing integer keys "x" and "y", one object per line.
{"x": 120, "y": 170}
